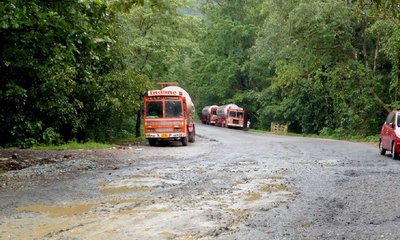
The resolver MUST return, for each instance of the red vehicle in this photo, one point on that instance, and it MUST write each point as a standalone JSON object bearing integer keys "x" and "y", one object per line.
{"x": 168, "y": 116}
{"x": 209, "y": 115}
{"x": 390, "y": 135}
{"x": 230, "y": 116}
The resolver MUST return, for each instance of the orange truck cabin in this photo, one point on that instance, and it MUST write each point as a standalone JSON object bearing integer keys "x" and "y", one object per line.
{"x": 168, "y": 116}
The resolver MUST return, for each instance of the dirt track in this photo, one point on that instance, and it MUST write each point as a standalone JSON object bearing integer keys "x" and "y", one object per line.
{"x": 229, "y": 184}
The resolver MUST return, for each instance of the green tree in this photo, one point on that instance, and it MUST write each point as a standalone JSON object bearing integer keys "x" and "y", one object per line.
{"x": 222, "y": 70}
{"x": 155, "y": 41}
{"x": 321, "y": 77}
{"x": 53, "y": 55}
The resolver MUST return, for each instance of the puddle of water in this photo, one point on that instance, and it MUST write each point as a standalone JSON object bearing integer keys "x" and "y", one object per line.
{"x": 119, "y": 190}
{"x": 102, "y": 183}
{"x": 199, "y": 170}
{"x": 281, "y": 171}
{"x": 239, "y": 213}
{"x": 185, "y": 238}
{"x": 44, "y": 229}
{"x": 307, "y": 224}
{"x": 238, "y": 182}
{"x": 275, "y": 177}
{"x": 137, "y": 176}
{"x": 128, "y": 200}
{"x": 138, "y": 220}
{"x": 168, "y": 234}
{"x": 274, "y": 188}
{"x": 58, "y": 211}
{"x": 137, "y": 211}
{"x": 253, "y": 197}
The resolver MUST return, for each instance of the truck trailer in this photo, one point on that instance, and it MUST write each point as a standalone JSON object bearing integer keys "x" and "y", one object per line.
{"x": 230, "y": 115}
{"x": 209, "y": 114}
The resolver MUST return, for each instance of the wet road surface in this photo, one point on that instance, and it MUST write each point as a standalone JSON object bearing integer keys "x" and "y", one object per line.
{"x": 229, "y": 184}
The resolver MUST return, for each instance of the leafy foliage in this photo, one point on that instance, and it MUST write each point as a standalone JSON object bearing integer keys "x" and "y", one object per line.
{"x": 320, "y": 66}
{"x": 223, "y": 73}
{"x": 79, "y": 69}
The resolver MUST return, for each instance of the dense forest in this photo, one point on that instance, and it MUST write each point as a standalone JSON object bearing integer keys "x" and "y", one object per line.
{"x": 79, "y": 69}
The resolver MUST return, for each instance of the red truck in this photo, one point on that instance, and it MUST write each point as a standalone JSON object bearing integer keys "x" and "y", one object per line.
{"x": 168, "y": 116}
{"x": 230, "y": 115}
{"x": 209, "y": 115}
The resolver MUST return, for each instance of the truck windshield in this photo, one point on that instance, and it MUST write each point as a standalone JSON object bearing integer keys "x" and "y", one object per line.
{"x": 154, "y": 109}
{"x": 240, "y": 114}
{"x": 173, "y": 109}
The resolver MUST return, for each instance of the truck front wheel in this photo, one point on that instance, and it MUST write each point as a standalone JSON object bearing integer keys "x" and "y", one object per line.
{"x": 152, "y": 142}
{"x": 192, "y": 136}
{"x": 184, "y": 141}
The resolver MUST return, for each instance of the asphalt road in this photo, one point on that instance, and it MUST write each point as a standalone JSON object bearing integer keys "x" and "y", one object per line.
{"x": 229, "y": 184}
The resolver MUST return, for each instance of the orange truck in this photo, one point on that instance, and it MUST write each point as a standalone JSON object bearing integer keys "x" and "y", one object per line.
{"x": 168, "y": 116}
{"x": 209, "y": 114}
{"x": 230, "y": 115}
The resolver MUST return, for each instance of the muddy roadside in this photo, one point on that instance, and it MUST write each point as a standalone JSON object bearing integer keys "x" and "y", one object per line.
{"x": 17, "y": 165}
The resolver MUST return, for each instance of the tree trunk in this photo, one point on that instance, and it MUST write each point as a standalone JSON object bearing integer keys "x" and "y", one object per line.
{"x": 376, "y": 55}
{"x": 386, "y": 107}
{"x": 365, "y": 52}
{"x": 138, "y": 122}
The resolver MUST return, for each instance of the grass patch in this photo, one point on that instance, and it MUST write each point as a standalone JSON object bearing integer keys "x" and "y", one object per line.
{"x": 127, "y": 139}
{"x": 73, "y": 145}
{"x": 372, "y": 139}
{"x": 130, "y": 140}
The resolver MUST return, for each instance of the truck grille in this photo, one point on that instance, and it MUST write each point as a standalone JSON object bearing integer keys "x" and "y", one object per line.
{"x": 163, "y": 130}
{"x": 163, "y": 123}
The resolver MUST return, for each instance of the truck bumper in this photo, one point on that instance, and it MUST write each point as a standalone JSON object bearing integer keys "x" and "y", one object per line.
{"x": 234, "y": 125}
{"x": 166, "y": 136}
